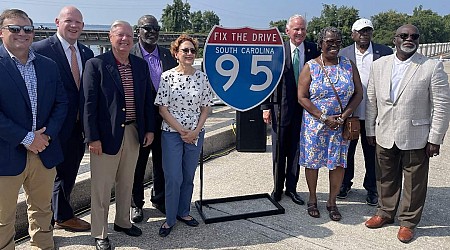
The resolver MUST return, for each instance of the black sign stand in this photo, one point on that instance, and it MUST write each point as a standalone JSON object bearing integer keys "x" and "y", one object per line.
{"x": 207, "y": 203}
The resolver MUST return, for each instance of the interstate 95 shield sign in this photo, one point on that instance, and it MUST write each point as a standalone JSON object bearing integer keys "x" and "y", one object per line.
{"x": 244, "y": 65}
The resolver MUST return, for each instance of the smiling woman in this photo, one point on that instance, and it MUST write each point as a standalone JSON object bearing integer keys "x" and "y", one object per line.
{"x": 329, "y": 89}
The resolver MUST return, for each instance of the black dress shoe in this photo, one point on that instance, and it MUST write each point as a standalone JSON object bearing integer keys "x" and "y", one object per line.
{"x": 343, "y": 192}
{"x": 295, "y": 197}
{"x": 137, "y": 214}
{"x": 192, "y": 222}
{"x": 102, "y": 244}
{"x": 132, "y": 231}
{"x": 163, "y": 232}
{"x": 276, "y": 196}
{"x": 160, "y": 207}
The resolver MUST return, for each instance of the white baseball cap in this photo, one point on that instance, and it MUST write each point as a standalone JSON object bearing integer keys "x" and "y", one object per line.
{"x": 361, "y": 24}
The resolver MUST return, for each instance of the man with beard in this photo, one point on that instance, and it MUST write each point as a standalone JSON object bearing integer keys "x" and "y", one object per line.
{"x": 363, "y": 52}
{"x": 158, "y": 59}
{"x": 407, "y": 116}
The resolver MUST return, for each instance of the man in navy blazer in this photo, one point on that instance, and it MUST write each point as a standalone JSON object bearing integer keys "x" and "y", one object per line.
{"x": 363, "y": 52}
{"x": 69, "y": 25}
{"x": 159, "y": 60}
{"x": 118, "y": 116}
{"x": 286, "y": 172}
{"x": 33, "y": 106}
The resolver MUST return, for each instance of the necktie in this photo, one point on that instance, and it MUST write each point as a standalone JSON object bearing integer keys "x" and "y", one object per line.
{"x": 74, "y": 66}
{"x": 296, "y": 65}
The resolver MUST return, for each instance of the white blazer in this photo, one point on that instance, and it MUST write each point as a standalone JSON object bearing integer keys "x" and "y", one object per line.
{"x": 421, "y": 112}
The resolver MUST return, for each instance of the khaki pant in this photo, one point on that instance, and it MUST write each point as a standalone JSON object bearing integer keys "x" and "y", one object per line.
{"x": 106, "y": 171}
{"x": 37, "y": 182}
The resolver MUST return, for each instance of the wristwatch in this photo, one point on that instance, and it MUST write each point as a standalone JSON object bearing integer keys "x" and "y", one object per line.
{"x": 340, "y": 120}
{"x": 323, "y": 117}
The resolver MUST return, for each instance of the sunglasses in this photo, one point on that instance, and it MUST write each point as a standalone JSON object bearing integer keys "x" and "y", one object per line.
{"x": 405, "y": 36}
{"x": 333, "y": 42}
{"x": 16, "y": 28}
{"x": 150, "y": 28}
{"x": 186, "y": 51}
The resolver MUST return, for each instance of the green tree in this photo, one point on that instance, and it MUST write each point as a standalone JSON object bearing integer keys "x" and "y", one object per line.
{"x": 385, "y": 24}
{"x": 175, "y": 17}
{"x": 342, "y": 18}
{"x": 446, "y": 29}
{"x": 209, "y": 20}
{"x": 280, "y": 25}
{"x": 196, "y": 19}
{"x": 430, "y": 25}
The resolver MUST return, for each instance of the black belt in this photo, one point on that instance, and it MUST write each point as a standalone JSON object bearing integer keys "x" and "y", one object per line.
{"x": 129, "y": 122}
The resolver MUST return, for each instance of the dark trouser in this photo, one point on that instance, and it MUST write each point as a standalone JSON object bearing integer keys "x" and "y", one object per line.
{"x": 158, "y": 194}
{"x": 393, "y": 166}
{"x": 369, "y": 161}
{"x": 287, "y": 167}
{"x": 66, "y": 173}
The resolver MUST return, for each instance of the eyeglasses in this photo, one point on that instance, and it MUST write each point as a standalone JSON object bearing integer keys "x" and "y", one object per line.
{"x": 333, "y": 42}
{"x": 121, "y": 35}
{"x": 405, "y": 36}
{"x": 186, "y": 50}
{"x": 150, "y": 28}
{"x": 16, "y": 28}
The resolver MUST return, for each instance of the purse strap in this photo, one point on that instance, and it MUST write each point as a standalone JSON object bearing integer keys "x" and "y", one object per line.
{"x": 331, "y": 83}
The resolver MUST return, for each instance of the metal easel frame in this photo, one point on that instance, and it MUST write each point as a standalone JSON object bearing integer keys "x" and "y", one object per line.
{"x": 278, "y": 208}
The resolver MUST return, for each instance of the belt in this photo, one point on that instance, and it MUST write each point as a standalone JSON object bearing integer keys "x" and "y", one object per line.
{"x": 129, "y": 122}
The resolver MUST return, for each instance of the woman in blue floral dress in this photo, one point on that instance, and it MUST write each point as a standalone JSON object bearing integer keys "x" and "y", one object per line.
{"x": 321, "y": 141}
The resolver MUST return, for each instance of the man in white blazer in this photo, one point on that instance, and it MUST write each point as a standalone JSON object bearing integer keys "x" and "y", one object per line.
{"x": 407, "y": 116}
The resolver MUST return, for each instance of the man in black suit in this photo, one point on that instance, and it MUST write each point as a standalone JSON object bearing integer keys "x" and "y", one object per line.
{"x": 297, "y": 52}
{"x": 159, "y": 60}
{"x": 363, "y": 52}
{"x": 58, "y": 47}
{"x": 118, "y": 116}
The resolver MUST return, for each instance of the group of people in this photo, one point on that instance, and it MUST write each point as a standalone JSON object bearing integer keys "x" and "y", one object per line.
{"x": 401, "y": 99}
{"x": 56, "y": 97}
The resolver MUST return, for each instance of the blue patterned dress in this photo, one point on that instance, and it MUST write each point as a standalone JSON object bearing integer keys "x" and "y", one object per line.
{"x": 321, "y": 146}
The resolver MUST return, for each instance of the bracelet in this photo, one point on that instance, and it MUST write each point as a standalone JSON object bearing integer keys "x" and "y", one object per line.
{"x": 340, "y": 120}
{"x": 323, "y": 117}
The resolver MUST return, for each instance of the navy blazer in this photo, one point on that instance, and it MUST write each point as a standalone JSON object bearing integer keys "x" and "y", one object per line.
{"x": 379, "y": 50}
{"x": 290, "y": 109}
{"x": 104, "y": 109}
{"x": 16, "y": 118}
{"x": 51, "y": 47}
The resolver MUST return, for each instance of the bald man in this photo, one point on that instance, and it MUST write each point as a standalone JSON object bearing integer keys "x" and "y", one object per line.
{"x": 59, "y": 48}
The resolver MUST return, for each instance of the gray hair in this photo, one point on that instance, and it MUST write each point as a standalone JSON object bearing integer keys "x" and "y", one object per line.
{"x": 119, "y": 23}
{"x": 324, "y": 32}
{"x": 295, "y": 17}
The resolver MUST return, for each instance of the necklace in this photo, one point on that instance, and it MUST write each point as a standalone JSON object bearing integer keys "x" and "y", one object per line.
{"x": 326, "y": 73}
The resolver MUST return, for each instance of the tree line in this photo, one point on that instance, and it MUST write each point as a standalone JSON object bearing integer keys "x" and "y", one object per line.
{"x": 177, "y": 17}
{"x": 433, "y": 27}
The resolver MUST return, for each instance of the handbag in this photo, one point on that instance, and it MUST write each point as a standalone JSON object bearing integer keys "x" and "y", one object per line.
{"x": 352, "y": 127}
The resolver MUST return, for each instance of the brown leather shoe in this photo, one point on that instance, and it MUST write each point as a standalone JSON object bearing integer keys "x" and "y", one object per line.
{"x": 377, "y": 221}
{"x": 75, "y": 224}
{"x": 405, "y": 234}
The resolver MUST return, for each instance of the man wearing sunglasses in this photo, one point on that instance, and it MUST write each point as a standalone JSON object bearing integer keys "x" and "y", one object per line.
{"x": 159, "y": 60}
{"x": 59, "y": 48}
{"x": 363, "y": 52}
{"x": 33, "y": 107}
{"x": 407, "y": 116}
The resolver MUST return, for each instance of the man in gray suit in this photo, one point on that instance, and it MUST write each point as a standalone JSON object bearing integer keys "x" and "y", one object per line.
{"x": 363, "y": 52}
{"x": 407, "y": 116}
{"x": 159, "y": 60}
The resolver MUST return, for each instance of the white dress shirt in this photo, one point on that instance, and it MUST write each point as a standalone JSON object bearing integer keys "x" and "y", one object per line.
{"x": 68, "y": 53}
{"x": 363, "y": 63}
{"x": 398, "y": 72}
{"x": 301, "y": 54}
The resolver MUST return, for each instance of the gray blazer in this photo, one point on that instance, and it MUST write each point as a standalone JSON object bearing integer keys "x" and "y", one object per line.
{"x": 421, "y": 112}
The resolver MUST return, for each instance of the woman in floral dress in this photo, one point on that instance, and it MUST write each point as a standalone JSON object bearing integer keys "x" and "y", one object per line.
{"x": 321, "y": 141}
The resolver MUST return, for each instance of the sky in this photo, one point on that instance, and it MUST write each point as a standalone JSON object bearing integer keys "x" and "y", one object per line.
{"x": 232, "y": 13}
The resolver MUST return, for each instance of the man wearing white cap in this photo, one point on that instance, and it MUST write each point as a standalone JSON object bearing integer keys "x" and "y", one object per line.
{"x": 363, "y": 52}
